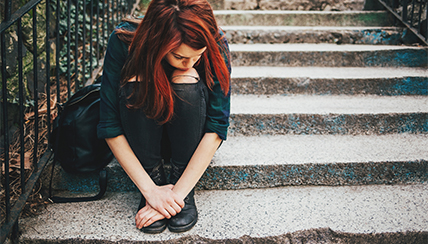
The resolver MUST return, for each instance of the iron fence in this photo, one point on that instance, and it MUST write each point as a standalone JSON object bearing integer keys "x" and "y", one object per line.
{"x": 412, "y": 13}
{"x": 49, "y": 50}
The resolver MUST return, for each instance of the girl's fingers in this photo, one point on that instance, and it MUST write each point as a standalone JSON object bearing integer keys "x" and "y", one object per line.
{"x": 153, "y": 219}
{"x": 142, "y": 219}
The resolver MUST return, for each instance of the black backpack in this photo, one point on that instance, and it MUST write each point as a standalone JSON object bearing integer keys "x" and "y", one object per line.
{"x": 75, "y": 143}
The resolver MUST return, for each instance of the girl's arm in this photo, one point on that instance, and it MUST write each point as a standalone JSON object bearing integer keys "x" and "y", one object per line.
{"x": 198, "y": 164}
{"x": 161, "y": 198}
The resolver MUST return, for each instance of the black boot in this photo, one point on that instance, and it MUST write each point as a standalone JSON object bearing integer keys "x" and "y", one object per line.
{"x": 157, "y": 174}
{"x": 188, "y": 216}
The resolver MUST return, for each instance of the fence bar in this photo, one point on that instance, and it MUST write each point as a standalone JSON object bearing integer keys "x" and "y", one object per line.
{"x": 404, "y": 13}
{"x": 419, "y": 19}
{"x": 84, "y": 44}
{"x": 98, "y": 34}
{"x": 76, "y": 47}
{"x": 57, "y": 52}
{"x": 90, "y": 36}
{"x": 21, "y": 105}
{"x": 412, "y": 13}
{"x": 68, "y": 53}
{"x": 36, "y": 88}
{"x": 7, "y": 9}
{"x": 5, "y": 127}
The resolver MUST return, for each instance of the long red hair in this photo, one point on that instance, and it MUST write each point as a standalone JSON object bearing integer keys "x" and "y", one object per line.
{"x": 166, "y": 25}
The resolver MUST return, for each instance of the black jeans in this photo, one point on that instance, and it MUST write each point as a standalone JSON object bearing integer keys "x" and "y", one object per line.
{"x": 180, "y": 136}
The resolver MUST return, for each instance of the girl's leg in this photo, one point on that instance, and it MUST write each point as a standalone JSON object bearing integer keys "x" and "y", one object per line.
{"x": 144, "y": 136}
{"x": 185, "y": 132}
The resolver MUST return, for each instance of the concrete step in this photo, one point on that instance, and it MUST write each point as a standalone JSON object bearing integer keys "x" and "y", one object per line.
{"x": 317, "y": 34}
{"x": 258, "y": 80}
{"x": 287, "y": 160}
{"x": 328, "y": 55}
{"x": 351, "y": 214}
{"x": 309, "y": 115}
{"x": 335, "y": 5}
{"x": 302, "y": 18}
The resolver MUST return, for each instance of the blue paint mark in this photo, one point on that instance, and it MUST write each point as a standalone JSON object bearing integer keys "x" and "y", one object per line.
{"x": 412, "y": 86}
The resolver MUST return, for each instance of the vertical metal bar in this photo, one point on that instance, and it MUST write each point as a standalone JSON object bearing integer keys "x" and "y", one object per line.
{"x": 421, "y": 6}
{"x": 121, "y": 10}
{"x": 48, "y": 68}
{"x": 7, "y": 10}
{"x": 84, "y": 44}
{"x": 76, "y": 47}
{"x": 412, "y": 13}
{"x": 36, "y": 90}
{"x": 68, "y": 51}
{"x": 58, "y": 45}
{"x": 116, "y": 10}
{"x": 91, "y": 36}
{"x": 426, "y": 16}
{"x": 21, "y": 105}
{"x": 108, "y": 17}
{"x": 15, "y": 229}
{"x": 396, "y": 3}
{"x": 104, "y": 21}
{"x": 5, "y": 127}
{"x": 98, "y": 34}
{"x": 404, "y": 13}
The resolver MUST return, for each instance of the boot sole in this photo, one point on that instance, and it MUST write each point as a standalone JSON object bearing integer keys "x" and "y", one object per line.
{"x": 187, "y": 227}
{"x": 154, "y": 230}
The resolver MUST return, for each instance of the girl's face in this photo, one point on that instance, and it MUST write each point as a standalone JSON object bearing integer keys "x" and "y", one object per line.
{"x": 184, "y": 57}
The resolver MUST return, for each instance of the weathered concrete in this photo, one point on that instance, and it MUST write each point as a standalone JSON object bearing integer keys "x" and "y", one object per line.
{"x": 324, "y": 105}
{"x": 268, "y": 161}
{"x": 253, "y": 80}
{"x": 337, "y": 5}
{"x": 302, "y": 18}
{"x": 293, "y": 34}
{"x": 328, "y": 55}
{"x": 288, "y": 214}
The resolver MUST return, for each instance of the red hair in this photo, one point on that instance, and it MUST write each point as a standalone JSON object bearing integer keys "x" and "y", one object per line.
{"x": 166, "y": 25}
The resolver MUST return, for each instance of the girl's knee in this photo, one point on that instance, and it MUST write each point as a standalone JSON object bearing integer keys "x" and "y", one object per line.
{"x": 185, "y": 76}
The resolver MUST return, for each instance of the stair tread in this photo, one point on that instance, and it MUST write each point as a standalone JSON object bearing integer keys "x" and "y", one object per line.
{"x": 317, "y": 28}
{"x": 253, "y": 212}
{"x": 265, "y": 12}
{"x": 326, "y": 72}
{"x": 320, "y": 149}
{"x": 335, "y": 104}
{"x": 311, "y": 47}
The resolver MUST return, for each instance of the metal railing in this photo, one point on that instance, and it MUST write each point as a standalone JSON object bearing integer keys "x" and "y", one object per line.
{"x": 70, "y": 57}
{"x": 412, "y": 13}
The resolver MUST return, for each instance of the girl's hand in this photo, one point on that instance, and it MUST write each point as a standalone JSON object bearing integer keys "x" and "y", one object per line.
{"x": 164, "y": 200}
{"x": 147, "y": 216}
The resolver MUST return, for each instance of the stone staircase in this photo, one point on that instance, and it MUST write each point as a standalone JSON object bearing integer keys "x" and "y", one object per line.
{"x": 328, "y": 141}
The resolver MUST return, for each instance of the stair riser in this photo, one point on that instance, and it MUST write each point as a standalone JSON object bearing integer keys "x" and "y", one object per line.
{"x": 329, "y": 86}
{"x": 385, "y": 58}
{"x": 303, "y": 19}
{"x": 370, "y": 37}
{"x": 262, "y": 176}
{"x": 329, "y": 124}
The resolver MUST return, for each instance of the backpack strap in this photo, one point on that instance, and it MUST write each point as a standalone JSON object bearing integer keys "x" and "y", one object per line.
{"x": 99, "y": 195}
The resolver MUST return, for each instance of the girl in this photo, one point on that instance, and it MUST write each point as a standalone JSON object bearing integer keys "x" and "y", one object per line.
{"x": 165, "y": 95}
